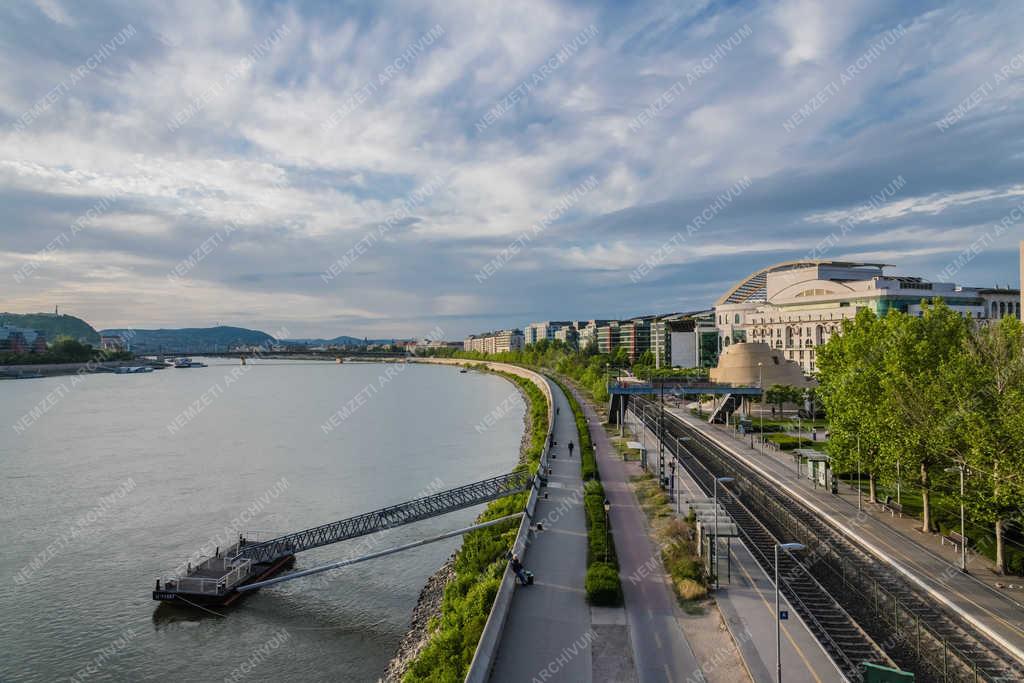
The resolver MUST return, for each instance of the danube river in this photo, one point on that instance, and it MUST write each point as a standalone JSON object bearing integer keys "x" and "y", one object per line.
{"x": 123, "y": 477}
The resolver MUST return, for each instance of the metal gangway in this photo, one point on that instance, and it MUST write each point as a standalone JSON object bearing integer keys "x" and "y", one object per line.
{"x": 387, "y": 518}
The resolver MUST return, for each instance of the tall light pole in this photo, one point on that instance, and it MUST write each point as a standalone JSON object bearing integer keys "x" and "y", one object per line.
{"x": 607, "y": 527}
{"x": 788, "y": 547}
{"x": 899, "y": 477}
{"x": 760, "y": 385}
{"x": 714, "y": 551}
{"x": 858, "y": 475}
{"x": 960, "y": 465}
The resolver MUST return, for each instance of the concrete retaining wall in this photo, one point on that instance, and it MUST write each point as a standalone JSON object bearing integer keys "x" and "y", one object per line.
{"x": 490, "y": 639}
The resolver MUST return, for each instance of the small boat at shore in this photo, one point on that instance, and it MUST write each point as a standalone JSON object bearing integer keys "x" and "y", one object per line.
{"x": 184, "y": 362}
{"x": 132, "y": 369}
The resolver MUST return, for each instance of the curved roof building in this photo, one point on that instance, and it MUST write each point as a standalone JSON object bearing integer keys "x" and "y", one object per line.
{"x": 796, "y": 306}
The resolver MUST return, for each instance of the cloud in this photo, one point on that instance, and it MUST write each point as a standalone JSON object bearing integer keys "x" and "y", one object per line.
{"x": 296, "y": 147}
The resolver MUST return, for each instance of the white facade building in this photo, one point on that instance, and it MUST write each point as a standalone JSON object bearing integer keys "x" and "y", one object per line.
{"x": 797, "y": 306}
{"x": 494, "y": 342}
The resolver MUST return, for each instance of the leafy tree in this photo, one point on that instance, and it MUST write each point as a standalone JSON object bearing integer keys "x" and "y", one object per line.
{"x": 777, "y": 395}
{"x": 925, "y": 428}
{"x": 850, "y": 370}
{"x": 987, "y": 385}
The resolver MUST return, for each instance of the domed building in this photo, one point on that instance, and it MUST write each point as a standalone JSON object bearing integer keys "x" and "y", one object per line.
{"x": 748, "y": 363}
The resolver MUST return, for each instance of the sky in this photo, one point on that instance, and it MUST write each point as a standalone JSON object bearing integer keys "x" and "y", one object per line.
{"x": 390, "y": 169}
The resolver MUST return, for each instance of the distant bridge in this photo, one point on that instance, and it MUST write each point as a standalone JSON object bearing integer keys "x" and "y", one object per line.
{"x": 325, "y": 353}
{"x": 675, "y": 387}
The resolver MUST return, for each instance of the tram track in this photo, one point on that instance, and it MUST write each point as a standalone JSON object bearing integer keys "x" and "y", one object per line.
{"x": 858, "y": 608}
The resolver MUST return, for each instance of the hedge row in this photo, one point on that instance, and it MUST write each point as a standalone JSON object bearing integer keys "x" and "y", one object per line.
{"x": 602, "y": 581}
{"x": 603, "y": 585}
{"x": 479, "y": 566}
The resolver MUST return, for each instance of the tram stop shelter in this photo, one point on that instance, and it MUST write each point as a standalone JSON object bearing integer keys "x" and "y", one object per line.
{"x": 706, "y": 513}
{"x": 819, "y": 465}
{"x": 637, "y": 446}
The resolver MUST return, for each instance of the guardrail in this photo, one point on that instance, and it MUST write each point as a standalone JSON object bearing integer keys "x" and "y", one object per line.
{"x": 490, "y": 637}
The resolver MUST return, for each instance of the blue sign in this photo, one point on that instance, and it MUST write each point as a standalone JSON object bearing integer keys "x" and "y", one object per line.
{"x": 783, "y": 614}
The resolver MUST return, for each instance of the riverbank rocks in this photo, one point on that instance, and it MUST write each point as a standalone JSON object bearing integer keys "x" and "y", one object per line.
{"x": 427, "y": 607}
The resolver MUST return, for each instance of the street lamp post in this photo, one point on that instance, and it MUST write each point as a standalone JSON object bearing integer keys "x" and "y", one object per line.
{"x": 788, "y": 547}
{"x": 898, "y": 478}
{"x": 960, "y": 466}
{"x": 858, "y": 475}
{"x": 714, "y": 551}
{"x": 607, "y": 527}
{"x": 672, "y": 491}
{"x": 760, "y": 409}
{"x": 661, "y": 438}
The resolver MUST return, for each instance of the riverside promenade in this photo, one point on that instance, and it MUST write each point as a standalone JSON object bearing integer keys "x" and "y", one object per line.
{"x": 548, "y": 635}
{"x": 660, "y": 649}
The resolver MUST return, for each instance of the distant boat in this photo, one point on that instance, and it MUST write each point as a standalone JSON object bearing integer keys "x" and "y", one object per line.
{"x": 186, "y": 363}
{"x": 463, "y": 371}
{"x": 132, "y": 369}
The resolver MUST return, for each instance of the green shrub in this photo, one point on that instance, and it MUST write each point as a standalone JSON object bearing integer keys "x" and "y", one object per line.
{"x": 603, "y": 586}
{"x": 787, "y": 442}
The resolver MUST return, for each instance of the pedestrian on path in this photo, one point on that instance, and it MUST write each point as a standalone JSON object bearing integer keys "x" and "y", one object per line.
{"x": 557, "y": 410}
{"x": 571, "y": 446}
{"x": 517, "y": 567}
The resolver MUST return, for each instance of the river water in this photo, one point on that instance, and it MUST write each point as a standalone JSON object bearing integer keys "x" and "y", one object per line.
{"x": 123, "y": 477}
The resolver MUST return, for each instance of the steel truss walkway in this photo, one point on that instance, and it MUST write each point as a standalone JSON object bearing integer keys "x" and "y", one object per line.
{"x": 387, "y": 518}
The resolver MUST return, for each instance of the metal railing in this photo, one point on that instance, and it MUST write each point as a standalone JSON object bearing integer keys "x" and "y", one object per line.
{"x": 490, "y": 638}
{"x": 239, "y": 571}
{"x": 389, "y": 517}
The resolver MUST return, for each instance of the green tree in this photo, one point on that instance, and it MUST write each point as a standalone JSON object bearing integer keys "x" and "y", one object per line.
{"x": 850, "y": 367}
{"x": 987, "y": 385}
{"x": 777, "y": 395}
{"x": 925, "y": 428}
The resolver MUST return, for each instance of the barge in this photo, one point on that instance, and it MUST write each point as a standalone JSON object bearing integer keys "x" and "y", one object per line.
{"x": 214, "y": 581}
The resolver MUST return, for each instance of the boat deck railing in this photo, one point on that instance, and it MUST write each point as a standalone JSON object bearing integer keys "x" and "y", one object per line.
{"x": 213, "y": 576}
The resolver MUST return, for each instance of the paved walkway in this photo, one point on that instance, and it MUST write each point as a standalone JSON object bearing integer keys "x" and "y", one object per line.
{"x": 660, "y": 649}
{"x": 920, "y": 555}
{"x": 548, "y": 628}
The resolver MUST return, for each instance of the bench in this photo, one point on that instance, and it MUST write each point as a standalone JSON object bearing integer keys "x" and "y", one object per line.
{"x": 955, "y": 539}
{"x": 893, "y": 508}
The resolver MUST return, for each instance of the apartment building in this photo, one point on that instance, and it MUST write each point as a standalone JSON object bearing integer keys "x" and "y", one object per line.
{"x": 495, "y": 342}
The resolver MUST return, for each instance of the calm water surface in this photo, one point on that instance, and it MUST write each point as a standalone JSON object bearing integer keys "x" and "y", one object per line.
{"x": 120, "y": 500}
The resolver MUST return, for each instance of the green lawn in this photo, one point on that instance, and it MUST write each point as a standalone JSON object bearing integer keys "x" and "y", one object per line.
{"x": 946, "y": 515}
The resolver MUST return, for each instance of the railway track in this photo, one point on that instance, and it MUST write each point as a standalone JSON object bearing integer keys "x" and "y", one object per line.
{"x": 858, "y": 608}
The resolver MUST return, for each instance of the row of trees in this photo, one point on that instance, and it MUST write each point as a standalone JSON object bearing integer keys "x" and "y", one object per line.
{"x": 64, "y": 350}
{"x": 588, "y": 368}
{"x": 919, "y": 397}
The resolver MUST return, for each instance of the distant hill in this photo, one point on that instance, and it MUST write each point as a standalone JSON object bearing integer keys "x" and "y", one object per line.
{"x": 337, "y": 341}
{"x": 54, "y": 326}
{"x": 194, "y": 339}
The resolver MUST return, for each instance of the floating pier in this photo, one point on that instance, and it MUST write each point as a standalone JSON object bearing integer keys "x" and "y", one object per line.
{"x": 221, "y": 580}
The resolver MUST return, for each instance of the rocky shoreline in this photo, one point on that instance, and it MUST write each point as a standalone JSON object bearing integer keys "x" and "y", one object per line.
{"x": 427, "y": 607}
{"x": 429, "y": 604}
